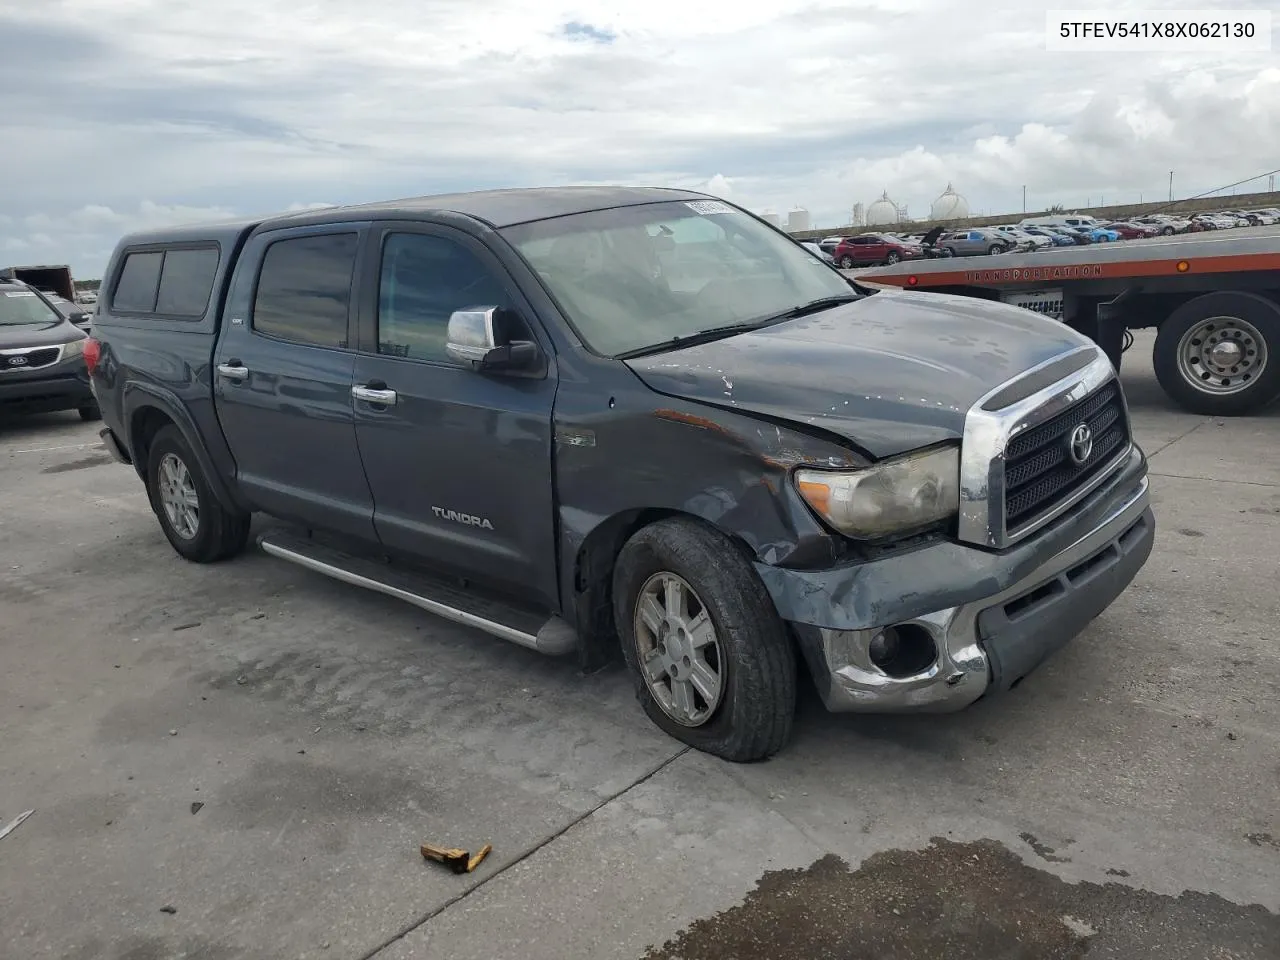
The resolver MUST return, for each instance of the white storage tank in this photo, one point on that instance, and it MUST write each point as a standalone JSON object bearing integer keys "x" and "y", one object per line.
{"x": 773, "y": 217}
{"x": 949, "y": 206}
{"x": 798, "y": 220}
{"x": 883, "y": 212}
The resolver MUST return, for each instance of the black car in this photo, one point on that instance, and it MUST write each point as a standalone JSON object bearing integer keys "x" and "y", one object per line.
{"x": 42, "y": 367}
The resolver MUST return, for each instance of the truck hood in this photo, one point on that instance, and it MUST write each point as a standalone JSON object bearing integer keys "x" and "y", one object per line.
{"x": 890, "y": 373}
{"x": 38, "y": 334}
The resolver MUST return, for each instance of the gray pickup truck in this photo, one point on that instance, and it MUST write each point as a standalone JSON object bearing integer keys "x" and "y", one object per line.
{"x": 642, "y": 422}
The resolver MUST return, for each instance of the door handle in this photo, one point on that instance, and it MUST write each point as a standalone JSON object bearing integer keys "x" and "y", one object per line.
{"x": 382, "y": 397}
{"x": 233, "y": 369}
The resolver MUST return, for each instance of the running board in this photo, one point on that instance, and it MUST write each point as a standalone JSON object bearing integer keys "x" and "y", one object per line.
{"x": 549, "y": 635}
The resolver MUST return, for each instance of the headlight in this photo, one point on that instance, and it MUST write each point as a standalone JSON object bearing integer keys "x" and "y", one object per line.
{"x": 896, "y": 496}
{"x": 73, "y": 349}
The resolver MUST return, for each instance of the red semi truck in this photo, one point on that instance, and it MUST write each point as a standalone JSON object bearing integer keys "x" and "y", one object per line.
{"x": 1214, "y": 300}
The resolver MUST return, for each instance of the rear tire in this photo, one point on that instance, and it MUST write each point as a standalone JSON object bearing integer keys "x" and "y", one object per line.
{"x": 750, "y": 716}
{"x": 198, "y": 527}
{"x": 846, "y": 263}
{"x": 1186, "y": 371}
{"x": 89, "y": 412}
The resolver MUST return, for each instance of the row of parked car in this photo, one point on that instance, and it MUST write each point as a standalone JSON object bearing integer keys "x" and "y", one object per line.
{"x": 1030, "y": 235}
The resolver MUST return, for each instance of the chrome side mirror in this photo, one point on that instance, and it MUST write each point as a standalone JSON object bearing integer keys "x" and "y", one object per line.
{"x": 478, "y": 337}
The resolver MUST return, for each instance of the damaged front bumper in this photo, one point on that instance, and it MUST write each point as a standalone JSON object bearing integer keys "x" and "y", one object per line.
{"x": 982, "y": 619}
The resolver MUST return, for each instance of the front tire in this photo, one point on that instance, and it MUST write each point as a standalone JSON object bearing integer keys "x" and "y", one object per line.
{"x": 994, "y": 249}
{"x": 892, "y": 258}
{"x": 197, "y": 526}
{"x": 1219, "y": 354}
{"x": 712, "y": 662}
{"x": 89, "y": 412}
{"x": 846, "y": 262}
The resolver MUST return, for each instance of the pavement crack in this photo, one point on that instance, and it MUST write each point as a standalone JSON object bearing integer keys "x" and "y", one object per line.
{"x": 1246, "y": 483}
{"x": 1182, "y": 436}
{"x": 551, "y": 838}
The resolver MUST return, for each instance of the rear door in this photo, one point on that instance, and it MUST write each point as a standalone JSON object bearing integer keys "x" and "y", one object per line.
{"x": 856, "y": 250}
{"x": 283, "y": 375}
{"x": 459, "y": 461}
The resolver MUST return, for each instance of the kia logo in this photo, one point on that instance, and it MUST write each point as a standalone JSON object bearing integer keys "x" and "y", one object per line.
{"x": 17, "y": 361}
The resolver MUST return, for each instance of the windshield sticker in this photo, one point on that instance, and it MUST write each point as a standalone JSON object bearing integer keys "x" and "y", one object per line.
{"x": 20, "y": 293}
{"x": 708, "y": 207}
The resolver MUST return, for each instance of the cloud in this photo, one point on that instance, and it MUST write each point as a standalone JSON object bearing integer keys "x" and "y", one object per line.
{"x": 159, "y": 109}
{"x": 585, "y": 31}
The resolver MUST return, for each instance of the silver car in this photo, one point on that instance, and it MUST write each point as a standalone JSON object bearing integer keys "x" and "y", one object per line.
{"x": 818, "y": 252}
{"x": 976, "y": 242}
{"x": 1023, "y": 240}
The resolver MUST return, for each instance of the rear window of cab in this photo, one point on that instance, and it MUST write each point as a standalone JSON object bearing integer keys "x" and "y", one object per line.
{"x": 170, "y": 282}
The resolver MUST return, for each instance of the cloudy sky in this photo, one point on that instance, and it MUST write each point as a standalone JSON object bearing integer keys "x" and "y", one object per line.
{"x": 124, "y": 113}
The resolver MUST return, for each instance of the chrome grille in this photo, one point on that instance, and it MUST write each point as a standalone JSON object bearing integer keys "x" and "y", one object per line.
{"x": 1040, "y": 471}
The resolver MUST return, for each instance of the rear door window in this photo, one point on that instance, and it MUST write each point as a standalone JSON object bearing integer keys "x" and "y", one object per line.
{"x": 139, "y": 280}
{"x": 186, "y": 280}
{"x": 304, "y": 289}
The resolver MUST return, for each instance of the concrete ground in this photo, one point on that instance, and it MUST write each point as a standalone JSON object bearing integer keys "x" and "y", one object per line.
{"x": 242, "y": 760}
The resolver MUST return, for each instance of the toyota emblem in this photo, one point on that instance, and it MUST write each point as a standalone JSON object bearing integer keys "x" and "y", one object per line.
{"x": 1080, "y": 444}
{"x": 17, "y": 361}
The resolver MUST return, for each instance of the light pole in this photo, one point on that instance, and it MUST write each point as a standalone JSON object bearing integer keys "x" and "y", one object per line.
{"x": 1171, "y": 186}
{"x": 1024, "y": 198}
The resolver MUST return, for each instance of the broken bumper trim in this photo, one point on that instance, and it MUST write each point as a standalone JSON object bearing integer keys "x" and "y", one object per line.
{"x": 988, "y": 642}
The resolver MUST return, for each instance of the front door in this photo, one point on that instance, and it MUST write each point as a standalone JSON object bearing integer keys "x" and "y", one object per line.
{"x": 282, "y": 378}
{"x": 459, "y": 461}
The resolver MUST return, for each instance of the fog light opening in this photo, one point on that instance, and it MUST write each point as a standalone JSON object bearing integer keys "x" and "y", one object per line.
{"x": 903, "y": 650}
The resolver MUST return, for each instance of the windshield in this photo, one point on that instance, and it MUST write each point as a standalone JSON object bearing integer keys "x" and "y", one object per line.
{"x": 634, "y": 277}
{"x": 22, "y": 306}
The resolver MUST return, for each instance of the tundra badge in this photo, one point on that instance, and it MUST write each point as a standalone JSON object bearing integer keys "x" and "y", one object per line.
{"x": 466, "y": 518}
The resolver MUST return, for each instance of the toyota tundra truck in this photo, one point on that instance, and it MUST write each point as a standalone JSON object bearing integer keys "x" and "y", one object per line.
{"x": 632, "y": 422}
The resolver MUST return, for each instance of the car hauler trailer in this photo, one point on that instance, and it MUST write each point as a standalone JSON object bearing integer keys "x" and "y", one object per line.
{"x": 51, "y": 278}
{"x": 1214, "y": 301}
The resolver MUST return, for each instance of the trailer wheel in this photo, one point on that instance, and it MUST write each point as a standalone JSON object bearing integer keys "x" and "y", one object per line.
{"x": 1219, "y": 354}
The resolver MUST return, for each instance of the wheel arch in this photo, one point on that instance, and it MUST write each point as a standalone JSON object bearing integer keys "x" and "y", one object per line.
{"x": 591, "y": 573}
{"x": 148, "y": 410}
